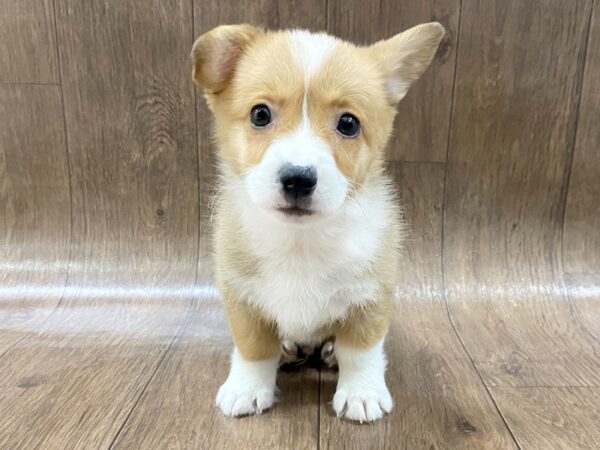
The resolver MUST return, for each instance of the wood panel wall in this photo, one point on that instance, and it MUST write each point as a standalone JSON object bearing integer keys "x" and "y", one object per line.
{"x": 111, "y": 335}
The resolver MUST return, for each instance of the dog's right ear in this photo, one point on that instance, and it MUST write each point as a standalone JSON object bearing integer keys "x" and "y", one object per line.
{"x": 404, "y": 57}
{"x": 216, "y": 54}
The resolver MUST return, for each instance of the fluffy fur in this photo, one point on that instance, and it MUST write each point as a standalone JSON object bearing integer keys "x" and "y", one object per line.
{"x": 331, "y": 272}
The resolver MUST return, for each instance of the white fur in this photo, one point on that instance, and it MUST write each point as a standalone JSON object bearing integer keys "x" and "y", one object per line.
{"x": 250, "y": 386}
{"x": 361, "y": 392}
{"x": 312, "y": 272}
{"x": 301, "y": 148}
{"x": 310, "y": 50}
{"x": 396, "y": 86}
{"x": 313, "y": 268}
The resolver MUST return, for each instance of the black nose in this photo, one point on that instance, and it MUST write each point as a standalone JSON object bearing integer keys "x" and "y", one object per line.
{"x": 298, "y": 181}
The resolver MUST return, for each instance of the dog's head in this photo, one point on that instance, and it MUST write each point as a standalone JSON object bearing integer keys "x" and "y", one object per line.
{"x": 302, "y": 119}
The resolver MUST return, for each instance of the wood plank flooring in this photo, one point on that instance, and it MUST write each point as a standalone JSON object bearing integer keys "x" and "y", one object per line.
{"x": 111, "y": 332}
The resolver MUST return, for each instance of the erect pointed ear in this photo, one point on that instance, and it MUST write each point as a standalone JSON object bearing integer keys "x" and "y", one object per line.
{"x": 404, "y": 57}
{"x": 216, "y": 54}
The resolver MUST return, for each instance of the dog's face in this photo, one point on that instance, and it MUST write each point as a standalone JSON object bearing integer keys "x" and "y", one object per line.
{"x": 303, "y": 119}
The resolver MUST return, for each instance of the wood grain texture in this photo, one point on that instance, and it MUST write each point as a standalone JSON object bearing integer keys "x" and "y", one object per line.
{"x": 421, "y": 127}
{"x": 28, "y": 50}
{"x": 514, "y": 116}
{"x": 178, "y": 410}
{"x": 35, "y": 216}
{"x": 111, "y": 334}
{"x": 440, "y": 401}
{"x": 552, "y": 418}
{"x": 583, "y": 290}
{"x": 131, "y": 140}
{"x": 581, "y": 244}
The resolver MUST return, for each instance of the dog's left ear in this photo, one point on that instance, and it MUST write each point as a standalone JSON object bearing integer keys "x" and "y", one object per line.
{"x": 404, "y": 57}
{"x": 216, "y": 54}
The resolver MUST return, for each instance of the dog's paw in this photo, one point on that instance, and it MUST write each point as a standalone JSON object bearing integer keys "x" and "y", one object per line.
{"x": 296, "y": 354}
{"x": 328, "y": 354}
{"x": 355, "y": 403}
{"x": 244, "y": 400}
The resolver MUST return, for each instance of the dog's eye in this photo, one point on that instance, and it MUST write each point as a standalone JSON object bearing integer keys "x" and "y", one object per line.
{"x": 348, "y": 125}
{"x": 260, "y": 116}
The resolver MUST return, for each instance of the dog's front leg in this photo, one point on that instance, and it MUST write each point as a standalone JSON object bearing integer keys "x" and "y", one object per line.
{"x": 250, "y": 387}
{"x": 362, "y": 393}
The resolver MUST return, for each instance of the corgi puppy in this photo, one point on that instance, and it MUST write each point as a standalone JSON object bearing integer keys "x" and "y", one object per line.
{"x": 307, "y": 229}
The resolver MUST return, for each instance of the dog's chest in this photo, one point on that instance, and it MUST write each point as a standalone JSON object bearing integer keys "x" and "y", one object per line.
{"x": 305, "y": 287}
{"x": 306, "y": 278}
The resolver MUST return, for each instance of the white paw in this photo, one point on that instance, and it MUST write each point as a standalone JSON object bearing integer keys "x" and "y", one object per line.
{"x": 249, "y": 388}
{"x": 244, "y": 400}
{"x": 361, "y": 394}
{"x": 362, "y": 405}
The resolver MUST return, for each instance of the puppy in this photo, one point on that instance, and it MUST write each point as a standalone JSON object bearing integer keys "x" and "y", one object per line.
{"x": 307, "y": 230}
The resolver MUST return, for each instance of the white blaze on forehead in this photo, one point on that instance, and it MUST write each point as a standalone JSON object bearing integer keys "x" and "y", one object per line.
{"x": 310, "y": 50}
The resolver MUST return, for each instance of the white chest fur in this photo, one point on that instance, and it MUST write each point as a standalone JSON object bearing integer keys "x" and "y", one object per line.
{"x": 309, "y": 277}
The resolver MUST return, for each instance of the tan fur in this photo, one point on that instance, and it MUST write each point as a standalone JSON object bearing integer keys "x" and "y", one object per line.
{"x": 266, "y": 74}
{"x": 254, "y": 336}
{"x": 365, "y": 326}
{"x": 239, "y": 67}
{"x": 216, "y": 54}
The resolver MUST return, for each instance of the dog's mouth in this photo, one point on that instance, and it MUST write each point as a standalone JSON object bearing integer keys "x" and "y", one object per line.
{"x": 295, "y": 211}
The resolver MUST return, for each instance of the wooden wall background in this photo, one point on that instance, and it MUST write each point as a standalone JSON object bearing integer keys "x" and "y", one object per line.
{"x": 111, "y": 335}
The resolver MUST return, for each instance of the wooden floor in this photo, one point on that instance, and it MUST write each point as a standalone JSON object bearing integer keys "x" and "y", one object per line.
{"x": 111, "y": 334}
